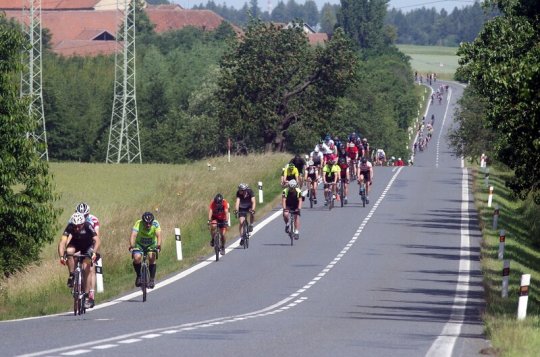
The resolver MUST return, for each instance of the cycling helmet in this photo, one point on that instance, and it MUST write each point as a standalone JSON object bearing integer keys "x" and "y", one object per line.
{"x": 77, "y": 218}
{"x": 364, "y": 140}
{"x": 218, "y": 199}
{"x": 310, "y": 163}
{"x": 364, "y": 160}
{"x": 327, "y": 137}
{"x": 82, "y": 208}
{"x": 243, "y": 186}
{"x": 291, "y": 165}
{"x": 292, "y": 184}
{"x": 342, "y": 160}
{"x": 148, "y": 217}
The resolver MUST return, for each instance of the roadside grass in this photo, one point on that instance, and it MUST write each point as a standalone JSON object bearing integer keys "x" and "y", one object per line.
{"x": 432, "y": 59}
{"x": 509, "y": 336}
{"x": 178, "y": 195}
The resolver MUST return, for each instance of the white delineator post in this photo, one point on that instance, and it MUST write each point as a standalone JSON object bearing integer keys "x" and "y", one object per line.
{"x": 505, "y": 276}
{"x": 178, "y": 237}
{"x": 523, "y": 296}
{"x": 99, "y": 276}
{"x": 229, "y": 150}
{"x": 260, "y": 192}
{"x": 502, "y": 240}
{"x": 496, "y": 213}
{"x": 490, "y": 196}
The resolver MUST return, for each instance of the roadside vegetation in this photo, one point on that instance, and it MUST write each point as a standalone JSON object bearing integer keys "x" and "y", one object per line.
{"x": 520, "y": 220}
{"x": 179, "y": 196}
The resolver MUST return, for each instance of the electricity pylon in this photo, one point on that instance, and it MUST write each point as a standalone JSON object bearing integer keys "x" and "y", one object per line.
{"x": 124, "y": 141}
{"x": 31, "y": 76}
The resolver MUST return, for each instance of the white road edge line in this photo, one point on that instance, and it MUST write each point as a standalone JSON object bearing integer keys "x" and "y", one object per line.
{"x": 445, "y": 343}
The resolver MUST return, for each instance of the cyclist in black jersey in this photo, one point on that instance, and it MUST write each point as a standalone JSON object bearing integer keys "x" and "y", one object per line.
{"x": 245, "y": 203}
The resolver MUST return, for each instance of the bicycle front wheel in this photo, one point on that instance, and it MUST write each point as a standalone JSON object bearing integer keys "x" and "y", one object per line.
{"x": 144, "y": 280}
{"x": 245, "y": 233}
{"x": 76, "y": 293}
{"x": 217, "y": 244}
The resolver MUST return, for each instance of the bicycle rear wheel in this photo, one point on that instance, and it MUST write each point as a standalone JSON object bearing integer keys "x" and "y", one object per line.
{"x": 144, "y": 280}
{"x": 217, "y": 243}
{"x": 292, "y": 228}
{"x": 76, "y": 293}
{"x": 341, "y": 195}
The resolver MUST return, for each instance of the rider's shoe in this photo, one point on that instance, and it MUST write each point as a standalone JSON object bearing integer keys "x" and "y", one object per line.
{"x": 314, "y": 201}
{"x": 250, "y": 228}
{"x": 367, "y": 199}
{"x": 222, "y": 251}
{"x": 212, "y": 242}
{"x": 151, "y": 283}
{"x": 345, "y": 200}
{"x": 287, "y": 228}
{"x": 70, "y": 281}
{"x": 242, "y": 242}
{"x": 89, "y": 303}
{"x": 296, "y": 234}
{"x": 138, "y": 281}
{"x": 325, "y": 202}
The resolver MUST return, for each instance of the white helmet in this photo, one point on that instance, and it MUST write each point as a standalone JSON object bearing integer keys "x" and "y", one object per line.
{"x": 310, "y": 163}
{"x": 77, "y": 218}
{"x": 292, "y": 184}
{"x": 317, "y": 148}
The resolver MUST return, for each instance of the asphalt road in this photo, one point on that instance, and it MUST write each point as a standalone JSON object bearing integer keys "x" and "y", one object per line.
{"x": 399, "y": 277}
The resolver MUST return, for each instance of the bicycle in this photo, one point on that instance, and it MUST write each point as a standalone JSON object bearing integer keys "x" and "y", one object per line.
{"x": 311, "y": 192}
{"x": 352, "y": 168}
{"x": 363, "y": 193}
{"x": 79, "y": 295}
{"x": 217, "y": 237}
{"x": 341, "y": 191}
{"x": 244, "y": 229}
{"x": 145, "y": 272}
{"x": 329, "y": 196}
{"x": 292, "y": 225}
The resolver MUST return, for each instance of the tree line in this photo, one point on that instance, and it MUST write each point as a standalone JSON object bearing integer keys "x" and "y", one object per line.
{"x": 500, "y": 110}
{"x": 424, "y": 26}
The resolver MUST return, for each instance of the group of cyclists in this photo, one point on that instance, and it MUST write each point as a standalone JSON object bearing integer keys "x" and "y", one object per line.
{"x": 331, "y": 160}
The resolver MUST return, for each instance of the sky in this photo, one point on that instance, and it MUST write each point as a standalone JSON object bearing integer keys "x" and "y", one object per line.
{"x": 404, "y": 5}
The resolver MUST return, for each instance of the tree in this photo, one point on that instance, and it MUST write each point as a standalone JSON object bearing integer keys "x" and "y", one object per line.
{"x": 363, "y": 21}
{"x": 503, "y": 64}
{"x": 273, "y": 78}
{"x": 328, "y": 18}
{"x": 27, "y": 215}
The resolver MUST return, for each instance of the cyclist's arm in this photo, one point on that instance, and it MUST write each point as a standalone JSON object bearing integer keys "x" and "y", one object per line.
{"x": 97, "y": 243}
{"x": 62, "y": 245}
{"x": 253, "y": 203}
{"x": 237, "y": 204}
{"x": 158, "y": 236}
{"x": 132, "y": 238}
{"x": 210, "y": 214}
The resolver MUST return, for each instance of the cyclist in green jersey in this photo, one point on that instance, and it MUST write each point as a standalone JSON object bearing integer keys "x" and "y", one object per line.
{"x": 331, "y": 173}
{"x": 291, "y": 200}
{"x": 145, "y": 237}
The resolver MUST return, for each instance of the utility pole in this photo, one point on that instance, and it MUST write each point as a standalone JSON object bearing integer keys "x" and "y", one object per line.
{"x": 124, "y": 141}
{"x": 31, "y": 75}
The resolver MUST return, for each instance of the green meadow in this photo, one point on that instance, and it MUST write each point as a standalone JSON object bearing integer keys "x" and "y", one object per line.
{"x": 432, "y": 59}
{"x": 178, "y": 195}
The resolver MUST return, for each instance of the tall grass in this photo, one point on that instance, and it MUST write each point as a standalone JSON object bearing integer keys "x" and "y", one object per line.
{"x": 520, "y": 220}
{"x": 178, "y": 195}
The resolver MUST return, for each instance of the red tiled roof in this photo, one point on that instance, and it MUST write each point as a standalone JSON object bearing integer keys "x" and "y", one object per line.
{"x": 52, "y": 4}
{"x": 85, "y": 48}
{"x": 317, "y": 38}
{"x": 69, "y": 25}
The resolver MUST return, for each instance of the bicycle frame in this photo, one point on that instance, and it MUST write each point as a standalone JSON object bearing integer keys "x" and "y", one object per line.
{"x": 292, "y": 225}
{"x": 78, "y": 290}
{"x": 217, "y": 238}
{"x": 245, "y": 233}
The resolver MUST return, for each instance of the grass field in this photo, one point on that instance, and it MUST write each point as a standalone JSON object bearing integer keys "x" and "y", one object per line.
{"x": 509, "y": 336}
{"x": 179, "y": 196}
{"x": 432, "y": 59}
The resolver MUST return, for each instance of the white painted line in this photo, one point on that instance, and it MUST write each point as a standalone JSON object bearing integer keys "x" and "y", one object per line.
{"x": 104, "y": 347}
{"x": 444, "y": 345}
{"x": 131, "y": 340}
{"x": 152, "y": 335}
{"x": 75, "y": 353}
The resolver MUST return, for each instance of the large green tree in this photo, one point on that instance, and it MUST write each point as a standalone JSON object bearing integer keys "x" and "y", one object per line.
{"x": 27, "y": 215}
{"x": 274, "y": 78}
{"x": 503, "y": 63}
{"x": 363, "y": 21}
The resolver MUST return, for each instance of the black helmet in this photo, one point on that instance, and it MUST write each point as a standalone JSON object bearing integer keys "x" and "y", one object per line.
{"x": 364, "y": 160}
{"x": 218, "y": 199}
{"x": 82, "y": 208}
{"x": 148, "y": 217}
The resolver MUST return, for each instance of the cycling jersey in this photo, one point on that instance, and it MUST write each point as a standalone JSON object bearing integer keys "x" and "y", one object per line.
{"x": 312, "y": 171}
{"x": 82, "y": 239}
{"x": 299, "y": 163}
{"x": 245, "y": 199}
{"x": 316, "y": 157}
{"x": 218, "y": 213}
{"x": 292, "y": 197}
{"x": 290, "y": 173}
{"x": 330, "y": 172}
{"x": 343, "y": 166}
{"x": 146, "y": 237}
{"x": 352, "y": 151}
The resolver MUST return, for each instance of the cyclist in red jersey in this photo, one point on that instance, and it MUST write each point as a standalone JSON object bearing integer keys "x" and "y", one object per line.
{"x": 218, "y": 212}
{"x": 344, "y": 176}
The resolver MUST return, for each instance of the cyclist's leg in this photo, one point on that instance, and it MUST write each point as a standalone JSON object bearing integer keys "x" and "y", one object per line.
{"x": 136, "y": 255}
{"x": 241, "y": 219}
{"x": 152, "y": 266}
{"x": 286, "y": 218}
